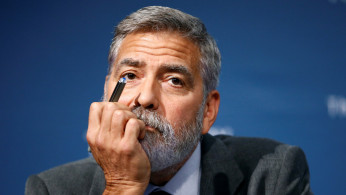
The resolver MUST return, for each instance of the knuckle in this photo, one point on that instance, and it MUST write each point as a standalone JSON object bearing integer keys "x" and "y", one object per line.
{"x": 109, "y": 106}
{"x": 94, "y": 106}
{"x": 127, "y": 150}
{"x": 133, "y": 123}
{"x": 118, "y": 114}
{"x": 89, "y": 137}
{"x": 99, "y": 144}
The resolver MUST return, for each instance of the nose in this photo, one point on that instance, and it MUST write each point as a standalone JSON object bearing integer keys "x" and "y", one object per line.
{"x": 148, "y": 95}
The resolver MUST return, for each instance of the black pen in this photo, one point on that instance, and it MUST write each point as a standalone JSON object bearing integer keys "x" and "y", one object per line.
{"x": 118, "y": 90}
{"x": 116, "y": 94}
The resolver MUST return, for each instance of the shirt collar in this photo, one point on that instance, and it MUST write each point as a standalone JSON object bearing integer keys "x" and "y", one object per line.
{"x": 186, "y": 180}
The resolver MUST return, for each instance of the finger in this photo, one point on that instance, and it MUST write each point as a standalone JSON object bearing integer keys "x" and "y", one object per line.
{"x": 108, "y": 109}
{"x": 120, "y": 106}
{"x": 142, "y": 130}
{"x": 94, "y": 121}
{"x": 134, "y": 130}
{"x": 119, "y": 121}
{"x": 95, "y": 111}
{"x": 103, "y": 137}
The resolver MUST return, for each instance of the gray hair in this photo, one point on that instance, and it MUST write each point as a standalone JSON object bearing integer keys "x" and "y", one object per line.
{"x": 157, "y": 18}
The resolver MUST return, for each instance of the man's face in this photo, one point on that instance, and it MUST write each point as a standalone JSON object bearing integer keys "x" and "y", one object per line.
{"x": 162, "y": 76}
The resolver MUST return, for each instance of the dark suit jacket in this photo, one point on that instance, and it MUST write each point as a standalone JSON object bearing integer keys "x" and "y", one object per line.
{"x": 230, "y": 165}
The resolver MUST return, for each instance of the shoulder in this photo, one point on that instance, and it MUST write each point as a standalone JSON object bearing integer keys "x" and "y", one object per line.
{"x": 81, "y": 167}
{"x": 248, "y": 144}
{"x": 249, "y": 150}
{"x": 257, "y": 148}
{"x": 268, "y": 164}
{"x": 245, "y": 149}
{"x": 71, "y": 177}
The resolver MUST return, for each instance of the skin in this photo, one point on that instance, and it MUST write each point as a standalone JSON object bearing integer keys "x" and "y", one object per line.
{"x": 162, "y": 74}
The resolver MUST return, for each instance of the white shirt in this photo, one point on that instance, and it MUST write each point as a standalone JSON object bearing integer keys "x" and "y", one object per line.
{"x": 186, "y": 180}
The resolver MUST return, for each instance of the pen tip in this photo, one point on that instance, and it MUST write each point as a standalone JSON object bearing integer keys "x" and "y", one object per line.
{"x": 122, "y": 80}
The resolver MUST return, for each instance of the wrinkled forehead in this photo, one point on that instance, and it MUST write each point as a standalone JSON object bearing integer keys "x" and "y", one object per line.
{"x": 170, "y": 43}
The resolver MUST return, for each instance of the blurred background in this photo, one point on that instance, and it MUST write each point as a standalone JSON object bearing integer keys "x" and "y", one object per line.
{"x": 283, "y": 77}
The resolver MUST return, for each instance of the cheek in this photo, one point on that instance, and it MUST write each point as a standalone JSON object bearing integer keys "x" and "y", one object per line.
{"x": 182, "y": 109}
{"x": 126, "y": 97}
{"x": 180, "y": 113}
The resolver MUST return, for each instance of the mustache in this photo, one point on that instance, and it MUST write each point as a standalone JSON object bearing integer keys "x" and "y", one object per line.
{"x": 152, "y": 119}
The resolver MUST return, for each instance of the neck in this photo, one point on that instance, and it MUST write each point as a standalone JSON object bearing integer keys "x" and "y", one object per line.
{"x": 160, "y": 178}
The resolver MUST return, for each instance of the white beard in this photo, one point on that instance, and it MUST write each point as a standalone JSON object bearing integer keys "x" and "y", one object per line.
{"x": 167, "y": 146}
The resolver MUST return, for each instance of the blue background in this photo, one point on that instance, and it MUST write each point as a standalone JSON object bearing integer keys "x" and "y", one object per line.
{"x": 282, "y": 60}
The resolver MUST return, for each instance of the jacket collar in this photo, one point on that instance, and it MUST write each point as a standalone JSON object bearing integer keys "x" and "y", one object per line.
{"x": 220, "y": 171}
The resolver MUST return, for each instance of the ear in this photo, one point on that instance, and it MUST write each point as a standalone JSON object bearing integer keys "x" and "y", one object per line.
{"x": 211, "y": 109}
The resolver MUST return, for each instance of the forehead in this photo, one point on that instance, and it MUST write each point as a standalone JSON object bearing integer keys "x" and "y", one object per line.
{"x": 163, "y": 47}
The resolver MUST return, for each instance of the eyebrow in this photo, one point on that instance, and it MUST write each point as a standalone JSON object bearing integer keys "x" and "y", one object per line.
{"x": 128, "y": 62}
{"x": 178, "y": 68}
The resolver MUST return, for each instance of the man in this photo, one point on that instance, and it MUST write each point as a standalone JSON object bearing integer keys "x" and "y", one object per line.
{"x": 156, "y": 137}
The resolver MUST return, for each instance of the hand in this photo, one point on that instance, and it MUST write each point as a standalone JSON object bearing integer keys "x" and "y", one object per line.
{"x": 113, "y": 134}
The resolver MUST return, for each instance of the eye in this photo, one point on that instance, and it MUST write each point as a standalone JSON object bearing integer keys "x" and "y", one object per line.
{"x": 176, "y": 82}
{"x": 129, "y": 76}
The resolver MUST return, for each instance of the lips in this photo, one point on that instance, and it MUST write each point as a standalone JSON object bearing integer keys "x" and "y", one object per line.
{"x": 150, "y": 128}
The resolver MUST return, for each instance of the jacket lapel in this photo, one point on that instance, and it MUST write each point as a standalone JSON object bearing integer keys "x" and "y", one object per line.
{"x": 220, "y": 172}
